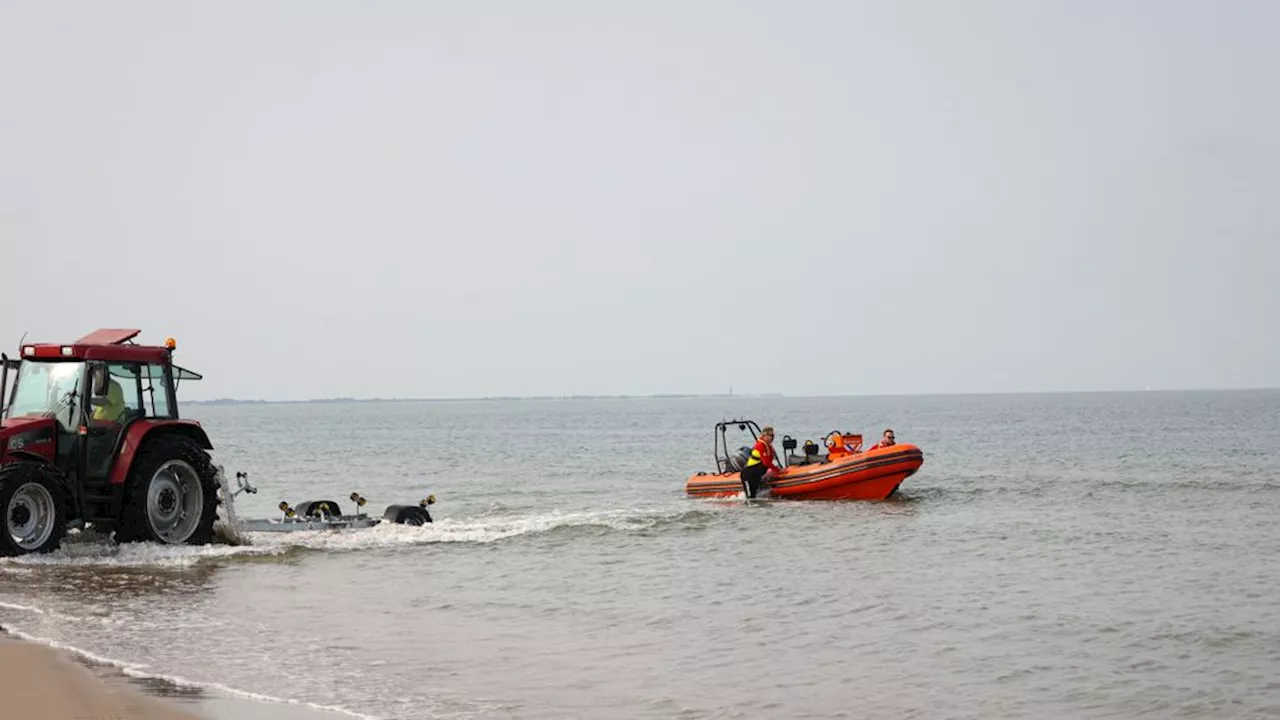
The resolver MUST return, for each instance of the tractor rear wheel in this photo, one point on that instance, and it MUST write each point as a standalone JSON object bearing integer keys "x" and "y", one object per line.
{"x": 33, "y": 499}
{"x": 171, "y": 495}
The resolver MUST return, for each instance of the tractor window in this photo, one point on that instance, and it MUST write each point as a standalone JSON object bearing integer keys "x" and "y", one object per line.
{"x": 47, "y": 387}
{"x": 144, "y": 389}
{"x": 156, "y": 394}
{"x": 124, "y": 395}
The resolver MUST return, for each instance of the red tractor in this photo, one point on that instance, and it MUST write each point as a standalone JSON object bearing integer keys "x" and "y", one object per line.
{"x": 90, "y": 435}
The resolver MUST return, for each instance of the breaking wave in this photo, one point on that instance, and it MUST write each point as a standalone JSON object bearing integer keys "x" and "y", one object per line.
{"x": 480, "y": 529}
{"x": 95, "y": 550}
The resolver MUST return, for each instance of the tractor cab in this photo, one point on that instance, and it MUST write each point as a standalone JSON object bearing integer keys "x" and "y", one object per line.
{"x": 79, "y": 419}
{"x": 94, "y": 389}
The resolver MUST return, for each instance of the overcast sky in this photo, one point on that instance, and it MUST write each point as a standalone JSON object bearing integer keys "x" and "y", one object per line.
{"x": 436, "y": 199}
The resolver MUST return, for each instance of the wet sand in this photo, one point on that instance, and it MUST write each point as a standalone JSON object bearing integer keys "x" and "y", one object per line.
{"x": 40, "y": 682}
{"x": 37, "y": 681}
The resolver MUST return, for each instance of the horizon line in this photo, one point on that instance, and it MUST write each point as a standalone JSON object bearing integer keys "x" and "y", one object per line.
{"x": 675, "y": 396}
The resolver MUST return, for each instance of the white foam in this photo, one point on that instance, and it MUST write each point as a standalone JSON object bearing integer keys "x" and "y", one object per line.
{"x": 110, "y": 554}
{"x": 474, "y": 530}
{"x": 55, "y": 615}
{"x": 135, "y": 670}
{"x": 21, "y": 608}
{"x": 100, "y": 551}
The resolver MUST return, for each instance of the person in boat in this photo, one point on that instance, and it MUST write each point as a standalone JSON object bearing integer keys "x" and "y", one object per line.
{"x": 887, "y": 440}
{"x": 760, "y": 462}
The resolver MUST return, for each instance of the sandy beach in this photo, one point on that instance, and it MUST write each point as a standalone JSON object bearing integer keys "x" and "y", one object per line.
{"x": 38, "y": 681}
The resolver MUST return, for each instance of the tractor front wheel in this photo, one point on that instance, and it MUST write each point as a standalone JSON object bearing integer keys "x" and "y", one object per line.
{"x": 171, "y": 496}
{"x": 35, "y": 508}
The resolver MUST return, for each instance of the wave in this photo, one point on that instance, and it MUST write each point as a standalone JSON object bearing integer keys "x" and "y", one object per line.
{"x": 78, "y": 620}
{"x": 97, "y": 550}
{"x": 1219, "y": 482}
{"x": 481, "y": 530}
{"x": 140, "y": 672}
{"x": 90, "y": 550}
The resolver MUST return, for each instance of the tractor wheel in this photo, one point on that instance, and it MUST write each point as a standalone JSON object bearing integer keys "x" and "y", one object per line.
{"x": 171, "y": 495}
{"x": 406, "y": 515}
{"x": 33, "y": 499}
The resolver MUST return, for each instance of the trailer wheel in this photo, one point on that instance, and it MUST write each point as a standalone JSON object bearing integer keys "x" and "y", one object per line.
{"x": 314, "y": 508}
{"x": 171, "y": 494}
{"x": 407, "y": 515}
{"x": 34, "y": 504}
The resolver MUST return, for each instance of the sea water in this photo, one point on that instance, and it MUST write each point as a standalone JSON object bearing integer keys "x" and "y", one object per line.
{"x": 1067, "y": 555}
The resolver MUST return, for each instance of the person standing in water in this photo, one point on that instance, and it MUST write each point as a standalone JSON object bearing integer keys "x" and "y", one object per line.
{"x": 759, "y": 463}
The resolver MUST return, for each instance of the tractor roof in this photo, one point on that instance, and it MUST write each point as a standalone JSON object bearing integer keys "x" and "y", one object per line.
{"x": 108, "y": 336}
{"x": 107, "y": 344}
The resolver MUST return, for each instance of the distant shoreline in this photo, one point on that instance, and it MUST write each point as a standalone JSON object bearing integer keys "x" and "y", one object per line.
{"x": 696, "y": 396}
{"x": 349, "y": 400}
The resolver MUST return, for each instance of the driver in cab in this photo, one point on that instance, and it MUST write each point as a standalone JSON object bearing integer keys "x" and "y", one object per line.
{"x": 109, "y": 408}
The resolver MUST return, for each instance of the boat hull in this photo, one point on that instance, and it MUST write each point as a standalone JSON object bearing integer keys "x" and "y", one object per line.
{"x": 870, "y": 475}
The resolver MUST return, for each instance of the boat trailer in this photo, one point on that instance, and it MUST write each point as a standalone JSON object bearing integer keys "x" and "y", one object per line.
{"x": 314, "y": 514}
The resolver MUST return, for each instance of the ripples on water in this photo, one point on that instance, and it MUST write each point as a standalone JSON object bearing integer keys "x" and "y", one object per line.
{"x": 1058, "y": 555}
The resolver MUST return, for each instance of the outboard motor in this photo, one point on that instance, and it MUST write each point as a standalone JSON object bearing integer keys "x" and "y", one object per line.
{"x": 738, "y": 460}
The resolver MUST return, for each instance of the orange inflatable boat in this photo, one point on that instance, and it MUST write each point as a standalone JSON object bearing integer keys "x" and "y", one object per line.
{"x": 844, "y": 472}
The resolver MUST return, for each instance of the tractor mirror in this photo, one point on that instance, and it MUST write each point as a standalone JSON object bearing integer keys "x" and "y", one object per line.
{"x": 100, "y": 382}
